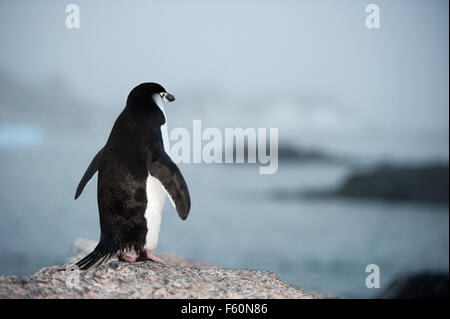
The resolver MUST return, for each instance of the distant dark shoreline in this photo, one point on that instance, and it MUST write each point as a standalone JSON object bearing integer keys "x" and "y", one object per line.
{"x": 292, "y": 154}
{"x": 427, "y": 183}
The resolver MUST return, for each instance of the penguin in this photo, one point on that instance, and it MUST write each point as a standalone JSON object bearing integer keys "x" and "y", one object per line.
{"x": 135, "y": 173}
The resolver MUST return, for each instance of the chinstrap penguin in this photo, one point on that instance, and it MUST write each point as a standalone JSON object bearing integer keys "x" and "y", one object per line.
{"x": 135, "y": 173}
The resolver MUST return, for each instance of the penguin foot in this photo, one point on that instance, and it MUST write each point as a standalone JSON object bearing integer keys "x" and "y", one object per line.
{"x": 127, "y": 258}
{"x": 153, "y": 257}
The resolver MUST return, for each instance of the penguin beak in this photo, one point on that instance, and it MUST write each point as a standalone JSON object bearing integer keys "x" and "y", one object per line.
{"x": 168, "y": 97}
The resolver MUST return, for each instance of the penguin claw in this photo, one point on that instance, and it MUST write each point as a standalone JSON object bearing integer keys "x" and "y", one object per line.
{"x": 128, "y": 258}
{"x": 153, "y": 257}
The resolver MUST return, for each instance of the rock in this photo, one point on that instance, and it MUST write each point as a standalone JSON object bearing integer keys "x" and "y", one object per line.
{"x": 418, "y": 286}
{"x": 290, "y": 153}
{"x": 179, "y": 278}
{"x": 428, "y": 183}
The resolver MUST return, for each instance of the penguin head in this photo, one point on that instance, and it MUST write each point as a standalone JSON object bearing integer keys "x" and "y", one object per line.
{"x": 145, "y": 95}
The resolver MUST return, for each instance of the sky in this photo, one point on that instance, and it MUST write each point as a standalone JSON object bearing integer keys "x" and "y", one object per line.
{"x": 392, "y": 80}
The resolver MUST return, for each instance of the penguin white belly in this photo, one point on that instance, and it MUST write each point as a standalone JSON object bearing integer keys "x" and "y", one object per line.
{"x": 153, "y": 213}
{"x": 156, "y": 195}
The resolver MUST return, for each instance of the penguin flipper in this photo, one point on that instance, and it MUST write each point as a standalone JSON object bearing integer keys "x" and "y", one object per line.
{"x": 91, "y": 170}
{"x": 168, "y": 174}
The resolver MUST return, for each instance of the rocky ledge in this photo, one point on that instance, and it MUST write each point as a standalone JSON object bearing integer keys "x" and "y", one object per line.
{"x": 179, "y": 278}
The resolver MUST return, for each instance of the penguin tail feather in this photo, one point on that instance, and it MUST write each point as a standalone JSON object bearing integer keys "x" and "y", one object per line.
{"x": 105, "y": 249}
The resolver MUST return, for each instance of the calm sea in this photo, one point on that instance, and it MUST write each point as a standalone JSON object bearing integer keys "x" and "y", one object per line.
{"x": 235, "y": 221}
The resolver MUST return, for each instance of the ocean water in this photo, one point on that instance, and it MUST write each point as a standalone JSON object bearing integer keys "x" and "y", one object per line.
{"x": 235, "y": 221}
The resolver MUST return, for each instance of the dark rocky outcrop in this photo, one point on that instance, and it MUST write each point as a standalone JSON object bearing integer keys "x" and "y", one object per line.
{"x": 418, "y": 286}
{"x": 428, "y": 184}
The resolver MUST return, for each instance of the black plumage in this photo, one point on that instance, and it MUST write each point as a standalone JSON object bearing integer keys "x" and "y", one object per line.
{"x": 134, "y": 148}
